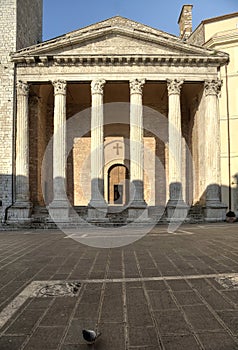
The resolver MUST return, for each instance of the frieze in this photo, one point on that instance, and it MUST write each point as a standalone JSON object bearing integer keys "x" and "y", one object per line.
{"x": 174, "y": 86}
{"x": 212, "y": 87}
{"x": 97, "y": 86}
{"x": 136, "y": 86}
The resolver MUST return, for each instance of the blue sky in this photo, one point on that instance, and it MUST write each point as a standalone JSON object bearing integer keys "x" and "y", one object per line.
{"x": 61, "y": 16}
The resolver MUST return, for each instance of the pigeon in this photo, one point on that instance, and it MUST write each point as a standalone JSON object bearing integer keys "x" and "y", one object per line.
{"x": 90, "y": 336}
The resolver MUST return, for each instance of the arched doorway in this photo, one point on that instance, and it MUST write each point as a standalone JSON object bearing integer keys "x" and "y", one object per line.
{"x": 118, "y": 176}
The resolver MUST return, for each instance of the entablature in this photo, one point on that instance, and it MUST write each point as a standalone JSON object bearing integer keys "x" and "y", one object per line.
{"x": 120, "y": 60}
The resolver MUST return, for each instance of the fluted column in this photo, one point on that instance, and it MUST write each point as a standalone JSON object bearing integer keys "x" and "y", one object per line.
{"x": 136, "y": 144}
{"x": 22, "y": 145}
{"x": 21, "y": 209}
{"x": 97, "y": 145}
{"x": 59, "y": 151}
{"x": 212, "y": 150}
{"x": 175, "y": 150}
{"x": 175, "y": 140}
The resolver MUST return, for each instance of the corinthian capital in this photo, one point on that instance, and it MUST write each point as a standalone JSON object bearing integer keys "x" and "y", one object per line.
{"x": 22, "y": 88}
{"x": 174, "y": 86}
{"x": 59, "y": 86}
{"x": 136, "y": 86}
{"x": 212, "y": 87}
{"x": 97, "y": 86}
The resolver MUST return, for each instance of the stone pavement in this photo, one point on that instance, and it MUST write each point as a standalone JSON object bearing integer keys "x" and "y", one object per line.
{"x": 165, "y": 291}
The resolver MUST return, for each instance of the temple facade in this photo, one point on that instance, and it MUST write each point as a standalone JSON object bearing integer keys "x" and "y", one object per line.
{"x": 115, "y": 121}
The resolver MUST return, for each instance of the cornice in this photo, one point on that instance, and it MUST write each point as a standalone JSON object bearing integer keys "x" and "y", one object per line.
{"x": 120, "y": 60}
{"x": 225, "y": 38}
{"x": 72, "y": 39}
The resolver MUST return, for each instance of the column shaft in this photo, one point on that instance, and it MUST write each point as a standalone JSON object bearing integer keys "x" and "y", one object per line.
{"x": 175, "y": 140}
{"x": 59, "y": 143}
{"x": 97, "y": 145}
{"x": 212, "y": 145}
{"x": 136, "y": 144}
{"x": 215, "y": 210}
{"x": 22, "y": 144}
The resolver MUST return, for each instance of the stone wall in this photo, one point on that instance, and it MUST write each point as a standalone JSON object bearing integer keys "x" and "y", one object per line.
{"x": 29, "y": 23}
{"x": 7, "y": 45}
{"x": 20, "y": 25}
{"x": 198, "y": 36}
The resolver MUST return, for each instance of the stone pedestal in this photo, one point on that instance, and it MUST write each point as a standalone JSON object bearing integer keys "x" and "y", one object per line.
{"x": 97, "y": 204}
{"x": 21, "y": 209}
{"x": 59, "y": 207}
{"x": 176, "y": 207}
{"x": 137, "y": 202}
{"x": 215, "y": 210}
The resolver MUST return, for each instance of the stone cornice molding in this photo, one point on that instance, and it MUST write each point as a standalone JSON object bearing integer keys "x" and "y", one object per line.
{"x": 223, "y": 38}
{"x": 84, "y": 35}
{"x": 174, "y": 86}
{"x": 136, "y": 86}
{"x": 97, "y": 86}
{"x": 22, "y": 88}
{"x": 60, "y": 86}
{"x": 212, "y": 87}
{"x": 121, "y": 60}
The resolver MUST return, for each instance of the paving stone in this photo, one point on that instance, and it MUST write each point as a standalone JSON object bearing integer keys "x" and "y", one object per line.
{"x": 212, "y": 297}
{"x": 187, "y": 297}
{"x": 112, "y": 337}
{"x": 139, "y": 336}
{"x": 137, "y": 308}
{"x": 231, "y": 320}
{"x": 133, "y": 285}
{"x": 150, "y": 272}
{"x": 171, "y": 322}
{"x": 156, "y": 285}
{"x": 45, "y": 338}
{"x": 39, "y": 303}
{"x": 201, "y": 318}
{"x": 52, "y": 252}
{"x": 25, "y": 322}
{"x": 180, "y": 342}
{"x": 178, "y": 285}
{"x": 161, "y": 300}
{"x": 59, "y": 312}
{"x": 11, "y": 342}
{"x": 231, "y": 294}
{"x": 218, "y": 341}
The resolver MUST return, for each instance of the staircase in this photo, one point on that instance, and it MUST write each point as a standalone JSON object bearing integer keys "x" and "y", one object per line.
{"x": 195, "y": 214}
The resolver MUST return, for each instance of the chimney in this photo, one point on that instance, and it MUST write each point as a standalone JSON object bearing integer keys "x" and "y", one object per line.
{"x": 185, "y": 21}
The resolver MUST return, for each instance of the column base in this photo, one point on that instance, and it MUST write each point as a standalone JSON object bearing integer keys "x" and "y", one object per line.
{"x": 177, "y": 210}
{"x": 20, "y": 212}
{"x": 215, "y": 211}
{"x": 138, "y": 211}
{"x": 59, "y": 210}
{"x": 97, "y": 214}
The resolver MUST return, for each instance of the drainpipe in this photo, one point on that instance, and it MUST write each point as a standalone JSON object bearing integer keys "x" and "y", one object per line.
{"x": 230, "y": 214}
{"x": 228, "y": 137}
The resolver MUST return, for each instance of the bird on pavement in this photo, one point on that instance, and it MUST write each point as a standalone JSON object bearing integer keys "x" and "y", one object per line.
{"x": 90, "y": 335}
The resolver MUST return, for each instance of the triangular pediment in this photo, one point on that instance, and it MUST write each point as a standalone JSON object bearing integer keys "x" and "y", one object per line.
{"x": 115, "y": 36}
